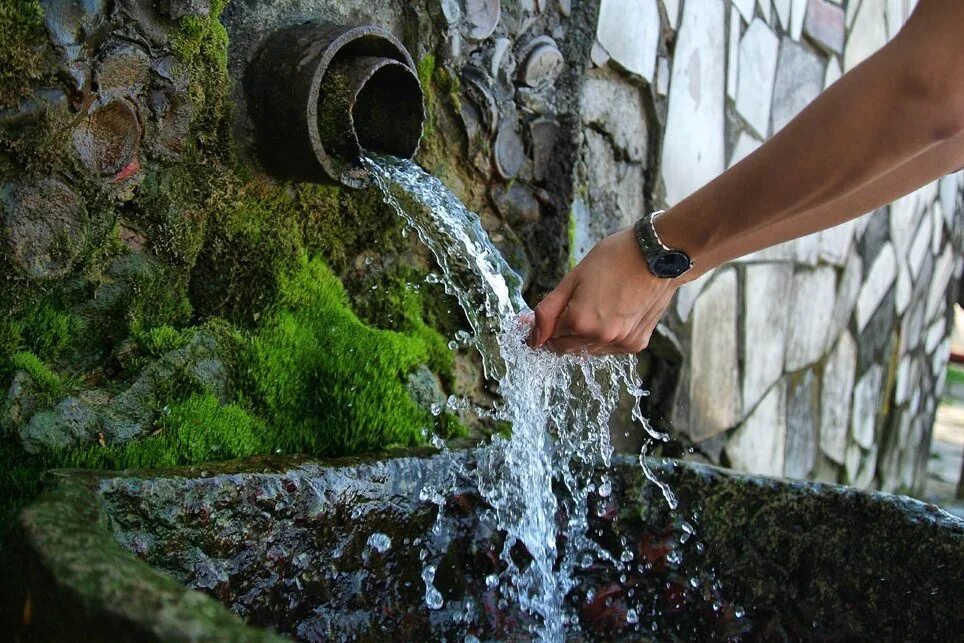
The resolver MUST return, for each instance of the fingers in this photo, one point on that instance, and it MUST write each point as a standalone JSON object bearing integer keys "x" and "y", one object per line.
{"x": 548, "y": 311}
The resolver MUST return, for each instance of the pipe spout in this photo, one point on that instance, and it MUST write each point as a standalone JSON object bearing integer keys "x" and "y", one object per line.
{"x": 322, "y": 95}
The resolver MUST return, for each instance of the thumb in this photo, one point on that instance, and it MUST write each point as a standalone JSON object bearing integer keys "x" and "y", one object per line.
{"x": 549, "y": 309}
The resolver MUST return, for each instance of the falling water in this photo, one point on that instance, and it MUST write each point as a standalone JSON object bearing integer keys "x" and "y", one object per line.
{"x": 539, "y": 480}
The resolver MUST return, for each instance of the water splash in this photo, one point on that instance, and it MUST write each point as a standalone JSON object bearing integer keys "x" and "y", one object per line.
{"x": 539, "y": 480}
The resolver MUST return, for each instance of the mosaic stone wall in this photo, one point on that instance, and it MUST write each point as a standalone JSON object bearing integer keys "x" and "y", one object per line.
{"x": 820, "y": 358}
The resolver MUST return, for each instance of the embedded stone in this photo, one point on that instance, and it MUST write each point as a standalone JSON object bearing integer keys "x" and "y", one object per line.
{"x": 109, "y": 138}
{"x": 69, "y": 21}
{"x": 903, "y": 290}
{"x": 868, "y": 468}
{"x": 616, "y": 188}
{"x": 943, "y": 271}
{"x": 480, "y": 18}
{"x": 509, "y": 149}
{"x": 478, "y": 89}
{"x": 949, "y": 190}
{"x": 693, "y": 150}
{"x": 672, "y": 12}
{"x": 798, "y": 11}
{"x": 825, "y": 25}
{"x": 765, "y": 9}
{"x": 755, "y": 84}
{"x": 147, "y": 19}
{"x": 835, "y": 242}
{"x": 833, "y": 72}
{"x": 516, "y": 203}
{"x": 835, "y": 398}
{"x": 759, "y": 445}
{"x": 868, "y": 34}
{"x": 662, "y": 76}
{"x": 935, "y": 334}
{"x": 801, "y": 447}
{"x": 544, "y": 132}
{"x": 45, "y": 227}
{"x": 629, "y": 31}
{"x": 799, "y": 80}
{"x": 746, "y": 144}
{"x": 733, "y": 54}
{"x": 879, "y": 279}
{"x": 451, "y": 10}
{"x": 714, "y": 372}
{"x": 177, "y": 9}
{"x": 32, "y": 107}
{"x": 847, "y": 293}
{"x": 542, "y": 66}
{"x": 501, "y": 56}
{"x": 812, "y": 303}
{"x": 783, "y": 13}
{"x": 616, "y": 107}
{"x": 122, "y": 68}
{"x": 866, "y": 405}
{"x": 745, "y": 7}
{"x": 766, "y": 324}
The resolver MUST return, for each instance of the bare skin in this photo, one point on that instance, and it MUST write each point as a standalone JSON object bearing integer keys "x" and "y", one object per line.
{"x": 888, "y": 127}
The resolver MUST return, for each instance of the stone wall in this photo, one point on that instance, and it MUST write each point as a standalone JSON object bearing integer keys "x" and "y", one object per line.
{"x": 823, "y": 357}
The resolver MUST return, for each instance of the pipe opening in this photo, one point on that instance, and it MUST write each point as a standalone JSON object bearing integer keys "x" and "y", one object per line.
{"x": 388, "y": 112}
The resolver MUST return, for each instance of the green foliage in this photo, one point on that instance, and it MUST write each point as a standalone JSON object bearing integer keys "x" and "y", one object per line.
{"x": 329, "y": 383}
{"x": 162, "y": 339}
{"x": 46, "y": 380}
{"x": 199, "y": 429}
{"x": 22, "y": 54}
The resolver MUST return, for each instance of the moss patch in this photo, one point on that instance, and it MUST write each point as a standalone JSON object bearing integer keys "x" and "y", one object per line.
{"x": 23, "y": 54}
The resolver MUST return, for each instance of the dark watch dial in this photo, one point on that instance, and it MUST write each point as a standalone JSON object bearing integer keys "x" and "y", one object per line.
{"x": 670, "y": 264}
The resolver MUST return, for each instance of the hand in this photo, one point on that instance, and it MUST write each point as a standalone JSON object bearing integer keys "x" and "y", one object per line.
{"x": 608, "y": 304}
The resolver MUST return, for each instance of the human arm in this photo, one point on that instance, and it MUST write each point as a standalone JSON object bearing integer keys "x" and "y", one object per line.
{"x": 892, "y": 124}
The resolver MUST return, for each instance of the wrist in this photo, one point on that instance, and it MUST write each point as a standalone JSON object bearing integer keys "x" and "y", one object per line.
{"x": 676, "y": 230}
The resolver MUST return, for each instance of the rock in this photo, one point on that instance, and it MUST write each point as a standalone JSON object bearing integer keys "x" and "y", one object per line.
{"x": 516, "y": 203}
{"x": 68, "y": 22}
{"x": 798, "y": 11}
{"x": 45, "y": 227}
{"x": 733, "y": 54}
{"x": 847, "y": 291}
{"x": 122, "y": 68}
{"x": 544, "y": 133}
{"x": 746, "y": 144}
{"x": 479, "y": 89}
{"x": 451, "y": 10}
{"x": 693, "y": 150}
{"x": 833, "y": 72}
{"x": 759, "y": 445}
{"x": 766, "y": 325}
{"x": 425, "y": 388}
{"x": 480, "y": 18}
{"x": 799, "y": 80}
{"x": 177, "y": 9}
{"x": 20, "y": 403}
{"x": 803, "y": 404}
{"x": 36, "y": 105}
{"x": 662, "y": 76}
{"x": 825, "y": 24}
{"x": 616, "y": 188}
{"x": 714, "y": 372}
{"x": 835, "y": 398}
{"x": 143, "y": 19}
{"x": 542, "y": 66}
{"x": 943, "y": 271}
{"x": 745, "y": 7}
{"x": 758, "y": 64}
{"x": 509, "y": 150}
{"x": 687, "y": 294}
{"x": 835, "y": 243}
{"x": 868, "y": 34}
{"x": 811, "y": 305}
{"x": 72, "y": 421}
{"x": 109, "y": 138}
{"x": 879, "y": 279}
{"x": 783, "y": 13}
{"x": 629, "y": 31}
{"x": 614, "y": 106}
{"x": 867, "y": 398}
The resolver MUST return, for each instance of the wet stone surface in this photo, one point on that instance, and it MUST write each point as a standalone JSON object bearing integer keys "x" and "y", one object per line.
{"x": 109, "y": 138}
{"x": 339, "y": 552}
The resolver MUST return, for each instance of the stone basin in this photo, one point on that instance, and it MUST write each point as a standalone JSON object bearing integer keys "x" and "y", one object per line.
{"x": 274, "y": 548}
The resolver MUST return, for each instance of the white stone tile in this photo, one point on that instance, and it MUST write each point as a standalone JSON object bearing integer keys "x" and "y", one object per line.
{"x": 811, "y": 304}
{"x": 852, "y": 459}
{"x": 582, "y": 237}
{"x": 733, "y": 53}
{"x": 937, "y": 229}
{"x": 904, "y": 289}
{"x": 835, "y": 398}
{"x": 745, "y": 145}
{"x": 765, "y": 334}
{"x": 615, "y": 106}
{"x": 937, "y": 295}
{"x": 879, "y": 279}
{"x": 940, "y": 358}
{"x": 852, "y": 6}
{"x": 662, "y": 76}
{"x": 825, "y": 25}
{"x": 798, "y": 11}
{"x": 629, "y": 30}
{"x": 835, "y": 242}
{"x": 868, "y": 34}
{"x": 783, "y": 13}
{"x": 833, "y": 72}
{"x": 847, "y": 292}
{"x": 765, "y": 9}
{"x": 867, "y": 470}
{"x": 672, "y": 12}
{"x": 935, "y": 335}
{"x": 798, "y": 80}
{"x": 800, "y": 451}
{"x": 687, "y": 293}
{"x": 745, "y": 7}
{"x": 903, "y": 220}
{"x": 758, "y": 62}
{"x": 714, "y": 372}
{"x": 950, "y": 187}
{"x": 693, "y": 145}
{"x": 759, "y": 445}
{"x": 905, "y": 376}
{"x": 866, "y": 404}
{"x": 807, "y": 249}
{"x": 895, "y": 16}
{"x": 919, "y": 246}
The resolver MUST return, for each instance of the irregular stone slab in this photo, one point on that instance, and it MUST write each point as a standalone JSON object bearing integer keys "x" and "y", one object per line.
{"x": 879, "y": 279}
{"x": 745, "y": 7}
{"x": 616, "y": 107}
{"x": 509, "y": 150}
{"x": 542, "y": 66}
{"x": 867, "y": 397}
{"x": 672, "y": 12}
{"x": 109, "y": 138}
{"x": 69, "y": 21}
{"x": 868, "y": 34}
{"x": 836, "y": 394}
{"x": 825, "y": 24}
{"x": 714, "y": 372}
{"x": 943, "y": 271}
{"x": 758, "y": 63}
{"x": 903, "y": 290}
{"x": 950, "y": 189}
{"x": 662, "y": 76}
{"x": 803, "y": 404}
{"x": 765, "y": 324}
{"x": 616, "y": 188}
{"x": 687, "y": 294}
{"x": 811, "y": 305}
{"x": 798, "y": 11}
{"x": 733, "y": 54}
{"x": 799, "y": 80}
{"x": 833, "y": 72}
{"x": 783, "y": 13}
{"x": 45, "y": 227}
{"x": 177, "y": 9}
{"x": 480, "y": 18}
{"x": 693, "y": 146}
{"x": 544, "y": 133}
{"x": 765, "y": 9}
{"x": 759, "y": 445}
{"x": 835, "y": 242}
{"x": 629, "y": 31}
{"x": 847, "y": 293}
{"x": 122, "y": 68}
{"x": 746, "y": 144}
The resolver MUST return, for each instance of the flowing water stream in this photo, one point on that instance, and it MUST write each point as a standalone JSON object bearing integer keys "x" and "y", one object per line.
{"x": 540, "y": 480}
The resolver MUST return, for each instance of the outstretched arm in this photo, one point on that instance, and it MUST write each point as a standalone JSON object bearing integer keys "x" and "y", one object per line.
{"x": 894, "y": 123}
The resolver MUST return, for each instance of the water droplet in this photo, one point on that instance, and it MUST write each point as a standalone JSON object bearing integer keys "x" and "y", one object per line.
{"x": 717, "y": 606}
{"x": 436, "y": 409}
{"x": 469, "y": 638}
{"x": 379, "y": 542}
{"x": 590, "y": 594}
{"x": 694, "y": 582}
{"x": 369, "y": 260}
{"x": 632, "y": 616}
{"x": 605, "y": 488}
{"x": 375, "y": 287}
{"x": 491, "y": 580}
{"x": 626, "y": 556}
{"x": 453, "y": 345}
{"x": 433, "y": 598}
{"x": 738, "y": 612}
{"x": 585, "y": 560}
{"x": 674, "y": 557}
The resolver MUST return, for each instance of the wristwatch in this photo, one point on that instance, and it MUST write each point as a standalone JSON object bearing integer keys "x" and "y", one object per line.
{"x": 663, "y": 262}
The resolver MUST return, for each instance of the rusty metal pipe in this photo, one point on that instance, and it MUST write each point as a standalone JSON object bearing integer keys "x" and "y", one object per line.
{"x": 320, "y": 95}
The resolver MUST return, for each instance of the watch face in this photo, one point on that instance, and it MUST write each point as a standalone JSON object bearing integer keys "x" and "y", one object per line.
{"x": 671, "y": 264}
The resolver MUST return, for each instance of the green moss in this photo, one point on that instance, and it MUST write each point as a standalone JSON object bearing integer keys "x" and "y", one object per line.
{"x": 23, "y": 53}
{"x": 329, "y": 383}
{"x": 162, "y": 339}
{"x": 199, "y": 429}
{"x": 46, "y": 380}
